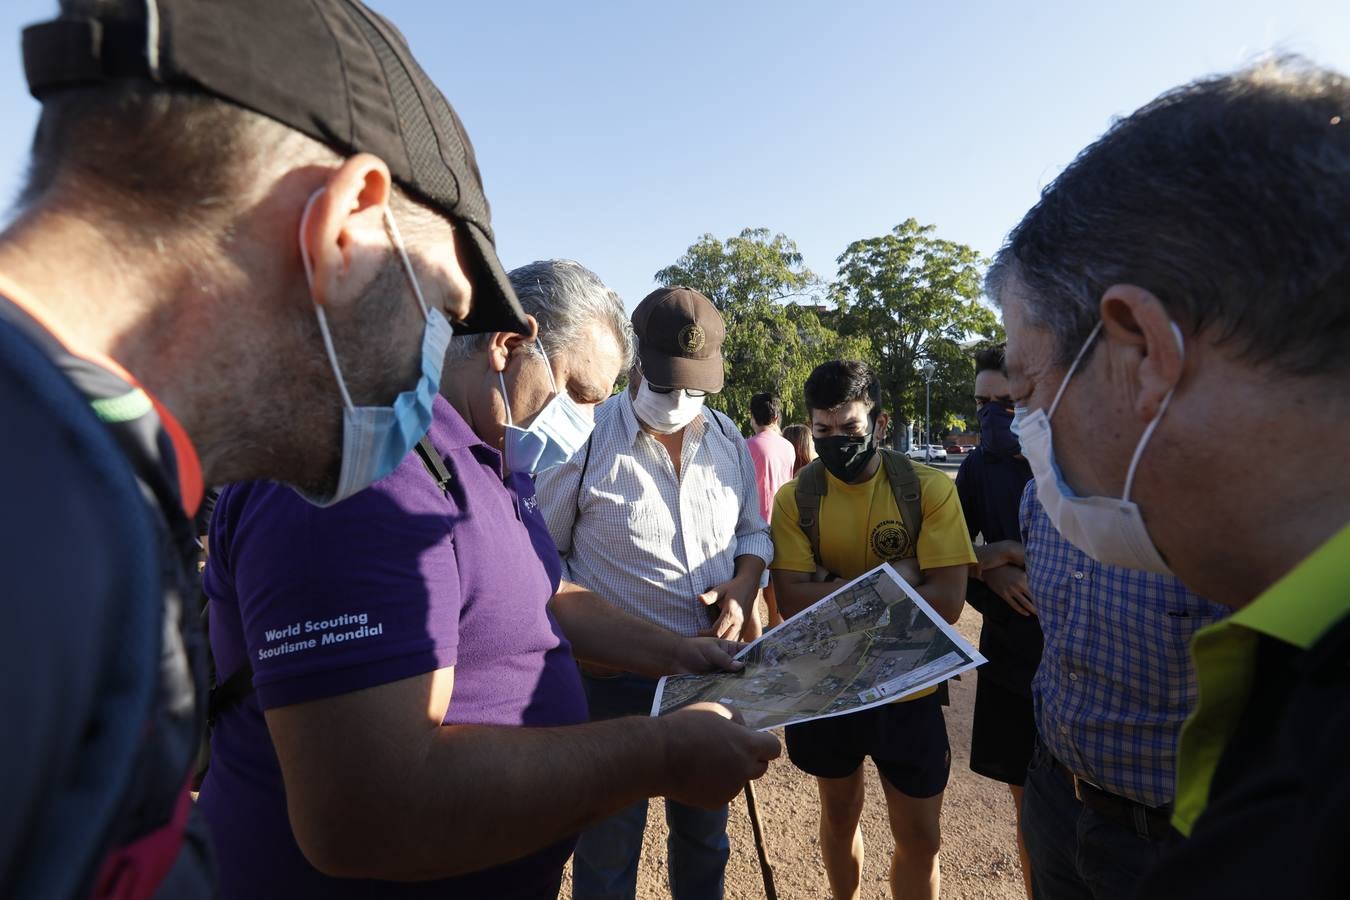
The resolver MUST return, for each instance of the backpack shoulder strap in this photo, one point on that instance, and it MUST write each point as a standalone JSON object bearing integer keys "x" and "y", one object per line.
{"x": 151, "y": 706}
{"x": 723, "y": 422}
{"x": 908, "y": 496}
{"x": 233, "y": 690}
{"x": 811, "y": 487}
{"x": 431, "y": 459}
{"x": 585, "y": 464}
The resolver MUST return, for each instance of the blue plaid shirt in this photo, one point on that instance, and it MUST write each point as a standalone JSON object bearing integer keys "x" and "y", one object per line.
{"x": 1116, "y": 678}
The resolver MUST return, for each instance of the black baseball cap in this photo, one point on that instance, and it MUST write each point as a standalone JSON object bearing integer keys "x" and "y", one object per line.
{"x": 680, "y": 336}
{"x": 330, "y": 69}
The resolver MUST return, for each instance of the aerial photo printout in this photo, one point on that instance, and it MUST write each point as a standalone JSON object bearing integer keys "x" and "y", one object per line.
{"x": 870, "y": 642}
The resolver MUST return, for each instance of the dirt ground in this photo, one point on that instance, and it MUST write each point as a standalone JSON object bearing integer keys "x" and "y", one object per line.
{"x": 979, "y": 856}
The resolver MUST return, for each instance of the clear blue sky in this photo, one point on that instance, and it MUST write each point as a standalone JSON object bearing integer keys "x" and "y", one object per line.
{"x": 617, "y": 133}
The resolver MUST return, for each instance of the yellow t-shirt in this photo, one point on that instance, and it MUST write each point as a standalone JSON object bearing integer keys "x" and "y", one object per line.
{"x": 860, "y": 528}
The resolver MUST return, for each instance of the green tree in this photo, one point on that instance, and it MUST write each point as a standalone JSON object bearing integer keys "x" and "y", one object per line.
{"x": 917, "y": 298}
{"x": 771, "y": 345}
{"x": 952, "y": 385}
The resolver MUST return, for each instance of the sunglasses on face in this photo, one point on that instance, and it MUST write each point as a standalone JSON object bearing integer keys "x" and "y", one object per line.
{"x": 688, "y": 392}
{"x": 660, "y": 389}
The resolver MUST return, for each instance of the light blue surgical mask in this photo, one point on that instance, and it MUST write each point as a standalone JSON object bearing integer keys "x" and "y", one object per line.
{"x": 1111, "y": 530}
{"x": 556, "y": 433}
{"x": 376, "y": 438}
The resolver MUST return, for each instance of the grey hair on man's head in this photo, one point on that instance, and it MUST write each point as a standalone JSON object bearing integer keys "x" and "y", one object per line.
{"x": 567, "y": 299}
{"x": 1227, "y": 198}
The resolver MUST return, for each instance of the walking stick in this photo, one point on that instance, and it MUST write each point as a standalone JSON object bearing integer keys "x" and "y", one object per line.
{"x": 764, "y": 867}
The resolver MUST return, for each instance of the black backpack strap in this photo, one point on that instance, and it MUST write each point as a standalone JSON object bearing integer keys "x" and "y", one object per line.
{"x": 431, "y": 458}
{"x": 225, "y": 696}
{"x": 811, "y": 487}
{"x": 723, "y": 422}
{"x": 908, "y": 497}
{"x": 585, "y": 464}
{"x": 222, "y": 696}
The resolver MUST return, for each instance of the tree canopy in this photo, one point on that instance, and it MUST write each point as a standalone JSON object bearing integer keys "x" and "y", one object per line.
{"x": 901, "y": 300}
{"x": 917, "y": 298}
{"x": 771, "y": 345}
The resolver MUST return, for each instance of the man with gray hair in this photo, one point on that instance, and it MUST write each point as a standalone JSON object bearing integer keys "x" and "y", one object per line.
{"x": 581, "y": 334}
{"x": 1188, "y": 276}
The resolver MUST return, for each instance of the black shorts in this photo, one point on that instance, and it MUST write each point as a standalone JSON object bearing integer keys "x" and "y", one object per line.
{"x": 1003, "y": 733}
{"x": 907, "y": 743}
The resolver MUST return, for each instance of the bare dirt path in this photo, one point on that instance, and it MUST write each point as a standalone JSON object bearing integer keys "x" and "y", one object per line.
{"x": 979, "y": 858}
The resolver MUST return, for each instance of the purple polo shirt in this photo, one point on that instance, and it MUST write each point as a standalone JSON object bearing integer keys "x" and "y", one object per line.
{"x": 399, "y": 580}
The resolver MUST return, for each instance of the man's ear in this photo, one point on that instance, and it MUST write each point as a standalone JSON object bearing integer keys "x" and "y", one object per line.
{"x": 343, "y": 230}
{"x": 504, "y": 343}
{"x": 1143, "y": 336}
{"x": 882, "y": 421}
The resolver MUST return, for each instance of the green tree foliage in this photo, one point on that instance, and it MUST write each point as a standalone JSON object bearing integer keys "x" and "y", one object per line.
{"x": 903, "y": 300}
{"x": 953, "y": 387}
{"x": 742, "y": 272}
{"x": 771, "y": 345}
{"x": 916, "y": 298}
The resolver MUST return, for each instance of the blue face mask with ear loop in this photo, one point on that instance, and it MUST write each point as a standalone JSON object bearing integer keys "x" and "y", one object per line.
{"x": 376, "y": 438}
{"x": 558, "y": 431}
{"x": 1110, "y": 530}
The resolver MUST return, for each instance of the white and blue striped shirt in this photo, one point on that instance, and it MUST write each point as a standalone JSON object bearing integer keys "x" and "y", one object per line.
{"x": 644, "y": 537}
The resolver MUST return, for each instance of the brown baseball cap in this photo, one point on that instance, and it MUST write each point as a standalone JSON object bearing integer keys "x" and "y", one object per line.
{"x": 680, "y": 336}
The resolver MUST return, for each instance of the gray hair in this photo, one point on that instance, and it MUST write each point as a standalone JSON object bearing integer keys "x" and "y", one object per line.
{"x": 1227, "y": 198}
{"x": 566, "y": 298}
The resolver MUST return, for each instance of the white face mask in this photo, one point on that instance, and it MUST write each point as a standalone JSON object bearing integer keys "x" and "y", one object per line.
{"x": 556, "y": 433}
{"x": 1111, "y": 531}
{"x": 665, "y": 413}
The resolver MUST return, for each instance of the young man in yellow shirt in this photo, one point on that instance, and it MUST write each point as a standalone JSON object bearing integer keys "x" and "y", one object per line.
{"x": 861, "y": 526}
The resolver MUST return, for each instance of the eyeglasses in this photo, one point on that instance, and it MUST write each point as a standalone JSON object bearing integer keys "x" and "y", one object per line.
{"x": 658, "y": 389}
{"x": 688, "y": 392}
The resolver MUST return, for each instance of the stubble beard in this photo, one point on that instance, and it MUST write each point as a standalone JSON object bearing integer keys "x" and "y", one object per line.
{"x": 374, "y": 367}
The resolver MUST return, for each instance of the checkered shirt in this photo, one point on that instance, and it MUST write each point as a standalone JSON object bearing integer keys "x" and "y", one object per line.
{"x": 1116, "y": 678}
{"x": 640, "y": 535}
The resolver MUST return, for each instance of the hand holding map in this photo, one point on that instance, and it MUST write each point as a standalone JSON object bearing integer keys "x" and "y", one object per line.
{"x": 871, "y": 642}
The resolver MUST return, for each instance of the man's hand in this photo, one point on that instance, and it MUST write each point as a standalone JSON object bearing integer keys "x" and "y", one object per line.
{"x": 709, "y": 757}
{"x": 696, "y": 655}
{"x": 1010, "y": 583}
{"x": 1001, "y": 553}
{"x": 733, "y": 599}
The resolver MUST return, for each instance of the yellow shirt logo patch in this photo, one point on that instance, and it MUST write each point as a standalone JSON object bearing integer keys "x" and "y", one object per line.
{"x": 890, "y": 541}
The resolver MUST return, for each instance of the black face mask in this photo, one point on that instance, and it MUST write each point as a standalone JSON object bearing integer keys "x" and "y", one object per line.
{"x": 996, "y": 429}
{"x": 845, "y": 456}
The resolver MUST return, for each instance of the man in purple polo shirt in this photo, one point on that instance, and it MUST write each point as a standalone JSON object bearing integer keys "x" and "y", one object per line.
{"x": 399, "y": 640}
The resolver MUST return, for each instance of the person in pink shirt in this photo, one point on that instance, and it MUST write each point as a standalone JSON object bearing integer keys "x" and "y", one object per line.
{"x": 774, "y": 458}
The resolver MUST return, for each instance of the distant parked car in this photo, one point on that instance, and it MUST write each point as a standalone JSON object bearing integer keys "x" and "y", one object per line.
{"x": 953, "y": 448}
{"x": 966, "y": 448}
{"x": 933, "y": 453}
